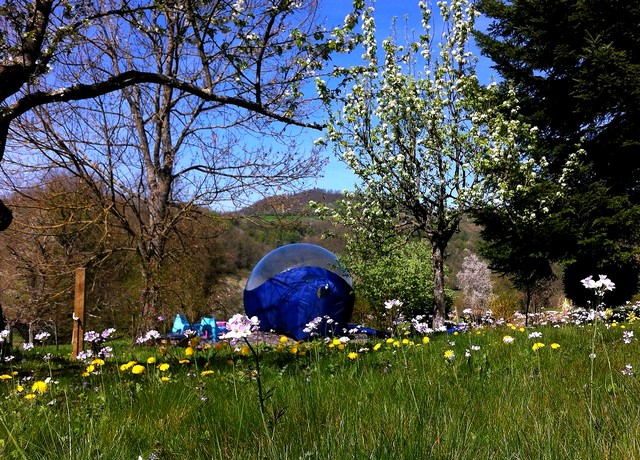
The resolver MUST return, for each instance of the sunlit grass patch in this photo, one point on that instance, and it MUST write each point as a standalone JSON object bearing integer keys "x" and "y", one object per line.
{"x": 468, "y": 395}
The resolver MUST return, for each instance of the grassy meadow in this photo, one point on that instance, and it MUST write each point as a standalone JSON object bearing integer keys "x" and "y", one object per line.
{"x": 559, "y": 391}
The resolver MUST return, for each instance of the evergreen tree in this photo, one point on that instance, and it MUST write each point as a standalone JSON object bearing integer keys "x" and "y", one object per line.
{"x": 575, "y": 66}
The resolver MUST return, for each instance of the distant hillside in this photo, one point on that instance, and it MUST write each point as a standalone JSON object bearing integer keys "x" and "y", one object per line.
{"x": 295, "y": 203}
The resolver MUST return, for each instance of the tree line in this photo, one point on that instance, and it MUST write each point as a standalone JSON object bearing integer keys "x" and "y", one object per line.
{"x": 208, "y": 259}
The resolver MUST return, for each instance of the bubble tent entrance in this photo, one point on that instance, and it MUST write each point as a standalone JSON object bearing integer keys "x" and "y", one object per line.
{"x": 295, "y": 284}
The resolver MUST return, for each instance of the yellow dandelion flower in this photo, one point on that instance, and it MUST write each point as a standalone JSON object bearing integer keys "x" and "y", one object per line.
{"x": 183, "y": 361}
{"x": 455, "y": 333}
{"x": 164, "y": 378}
{"x": 283, "y": 339}
{"x": 207, "y": 346}
{"x": 39, "y": 386}
{"x": 137, "y": 369}
{"x": 396, "y": 343}
{"x": 90, "y": 368}
{"x": 293, "y": 350}
{"x": 331, "y": 345}
{"x": 98, "y": 362}
{"x": 449, "y": 354}
{"x": 29, "y": 396}
{"x": 536, "y": 346}
{"x": 14, "y": 373}
{"x": 405, "y": 341}
{"x": 127, "y": 366}
{"x": 336, "y": 341}
{"x": 390, "y": 340}
{"x": 19, "y": 389}
{"x": 164, "y": 367}
{"x": 513, "y": 328}
{"x": 425, "y": 340}
{"x": 5, "y": 377}
{"x": 341, "y": 346}
{"x": 279, "y": 348}
{"x": 85, "y": 374}
{"x": 353, "y": 355}
{"x": 151, "y": 360}
{"x": 205, "y": 373}
{"x": 188, "y": 351}
{"x": 245, "y": 350}
{"x": 555, "y": 346}
{"x": 377, "y": 346}
{"x": 521, "y": 329}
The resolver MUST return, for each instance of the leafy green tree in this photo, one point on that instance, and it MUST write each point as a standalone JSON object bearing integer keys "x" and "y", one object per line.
{"x": 516, "y": 247}
{"x": 404, "y": 273}
{"x": 575, "y": 67}
{"x": 424, "y": 137}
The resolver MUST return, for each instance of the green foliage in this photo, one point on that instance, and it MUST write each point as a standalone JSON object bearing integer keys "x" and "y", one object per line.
{"x": 575, "y": 68}
{"x": 513, "y": 244}
{"x": 404, "y": 273}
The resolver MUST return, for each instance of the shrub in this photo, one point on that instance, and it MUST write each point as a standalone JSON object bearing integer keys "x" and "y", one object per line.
{"x": 404, "y": 273}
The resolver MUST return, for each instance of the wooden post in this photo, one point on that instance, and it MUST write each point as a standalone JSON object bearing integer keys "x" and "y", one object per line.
{"x": 78, "y": 315}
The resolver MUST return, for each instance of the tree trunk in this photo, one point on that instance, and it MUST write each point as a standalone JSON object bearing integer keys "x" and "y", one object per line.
{"x": 527, "y": 305}
{"x": 6, "y": 216}
{"x": 149, "y": 298}
{"x": 439, "y": 298}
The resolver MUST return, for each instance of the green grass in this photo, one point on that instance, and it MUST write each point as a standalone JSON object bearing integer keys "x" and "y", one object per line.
{"x": 504, "y": 401}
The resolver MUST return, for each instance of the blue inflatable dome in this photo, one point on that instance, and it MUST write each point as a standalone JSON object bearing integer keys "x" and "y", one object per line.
{"x": 295, "y": 284}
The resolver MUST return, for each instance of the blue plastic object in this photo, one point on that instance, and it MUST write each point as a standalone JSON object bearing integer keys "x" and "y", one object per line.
{"x": 180, "y": 324}
{"x": 207, "y": 328}
{"x": 295, "y": 284}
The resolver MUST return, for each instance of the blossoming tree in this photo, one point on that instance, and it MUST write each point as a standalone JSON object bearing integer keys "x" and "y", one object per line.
{"x": 424, "y": 137}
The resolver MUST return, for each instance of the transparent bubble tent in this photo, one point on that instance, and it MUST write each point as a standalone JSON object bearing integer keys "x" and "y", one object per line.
{"x": 295, "y": 284}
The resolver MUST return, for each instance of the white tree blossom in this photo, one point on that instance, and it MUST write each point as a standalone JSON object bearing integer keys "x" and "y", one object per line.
{"x": 425, "y": 138}
{"x": 474, "y": 279}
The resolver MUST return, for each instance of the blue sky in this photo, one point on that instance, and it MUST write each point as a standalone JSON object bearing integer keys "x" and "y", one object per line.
{"x": 336, "y": 175}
